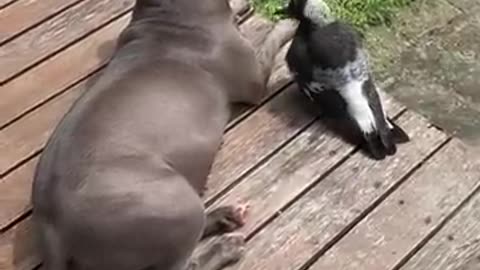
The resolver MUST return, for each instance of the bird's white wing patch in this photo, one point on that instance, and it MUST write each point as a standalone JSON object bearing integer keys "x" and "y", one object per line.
{"x": 357, "y": 105}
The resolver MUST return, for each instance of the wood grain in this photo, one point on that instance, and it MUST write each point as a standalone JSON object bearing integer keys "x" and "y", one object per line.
{"x": 256, "y": 138}
{"x": 53, "y": 35}
{"x": 26, "y": 137}
{"x": 5, "y": 3}
{"x": 15, "y": 192}
{"x": 405, "y": 218}
{"x": 58, "y": 73}
{"x": 333, "y": 204}
{"x": 17, "y": 248}
{"x": 456, "y": 246}
{"x": 23, "y": 140}
{"x": 294, "y": 168}
{"x": 25, "y": 13}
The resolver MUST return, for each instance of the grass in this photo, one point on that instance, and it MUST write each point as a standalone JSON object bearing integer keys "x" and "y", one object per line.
{"x": 360, "y": 13}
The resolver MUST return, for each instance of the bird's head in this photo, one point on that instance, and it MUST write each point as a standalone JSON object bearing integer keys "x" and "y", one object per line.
{"x": 316, "y": 11}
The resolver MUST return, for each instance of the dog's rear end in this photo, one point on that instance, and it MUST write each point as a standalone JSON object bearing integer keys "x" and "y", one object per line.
{"x": 134, "y": 225}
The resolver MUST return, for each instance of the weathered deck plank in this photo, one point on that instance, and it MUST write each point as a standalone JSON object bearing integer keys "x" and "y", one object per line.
{"x": 335, "y": 203}
{"x": 58, "y": 73}
{"x": 18, "y": 249}
{"x": 5, "y": 3}
{"x": 23, "y": 14}
{"x": 255, "y": 139}
{"x": 456, "y": 246}
{"x": 27, "y": 137}
{"x": 404, "y": 219}
{"x": 15, "y": 194}
{"x": 53, "y": 35}
{"x": 291, "y": 171}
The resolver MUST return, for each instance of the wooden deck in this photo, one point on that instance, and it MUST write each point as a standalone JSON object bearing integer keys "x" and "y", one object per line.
{"x": 317, "y": 202}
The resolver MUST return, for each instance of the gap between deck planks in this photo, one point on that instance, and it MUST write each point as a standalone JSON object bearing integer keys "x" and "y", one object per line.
{"x": 53, "y": 35}
{"x": 6, "y": 3}
{"x": 25, "y": 139}
{"x": 24, "y": 14}
{"x": 456, "y": 246}
{"x": 394, "y": 229}
{"x": 63, "y": 70}
{"x": 336, "y": 203}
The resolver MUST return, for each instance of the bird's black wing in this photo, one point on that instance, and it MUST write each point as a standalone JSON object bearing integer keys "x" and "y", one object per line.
{"x": 298, "y": 58}
{"x": 333, "y": 46}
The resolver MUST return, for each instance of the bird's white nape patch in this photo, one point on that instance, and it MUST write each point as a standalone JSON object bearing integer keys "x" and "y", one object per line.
{"x": 318, "y": 11}
{"x": 357, "y": 105}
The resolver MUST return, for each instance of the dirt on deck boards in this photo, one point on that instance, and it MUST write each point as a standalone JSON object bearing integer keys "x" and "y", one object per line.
{"x": 430, "y": 59}
{"x": 317, "y": 201}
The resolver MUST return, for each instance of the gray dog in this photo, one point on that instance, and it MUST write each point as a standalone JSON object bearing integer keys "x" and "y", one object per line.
{"x": 120, "y": 181}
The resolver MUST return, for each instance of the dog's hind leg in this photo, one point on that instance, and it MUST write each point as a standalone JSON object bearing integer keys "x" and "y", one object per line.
{"x": 52, "y": 249}
{"x": 225, "y": 219}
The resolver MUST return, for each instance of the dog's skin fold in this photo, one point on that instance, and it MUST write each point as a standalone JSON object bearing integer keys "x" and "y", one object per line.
{"x": 119, "y": 183}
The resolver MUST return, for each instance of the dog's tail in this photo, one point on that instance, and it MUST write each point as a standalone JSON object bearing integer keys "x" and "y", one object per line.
{"x": 282, "y": 32}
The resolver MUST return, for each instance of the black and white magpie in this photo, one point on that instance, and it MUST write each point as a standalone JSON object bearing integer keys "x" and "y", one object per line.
{"x": 327, "y": 54}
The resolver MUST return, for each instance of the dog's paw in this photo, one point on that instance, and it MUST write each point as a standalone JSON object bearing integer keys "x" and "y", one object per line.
{"x": 229, "y": 218}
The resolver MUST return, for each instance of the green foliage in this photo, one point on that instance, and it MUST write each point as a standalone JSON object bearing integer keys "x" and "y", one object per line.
{"x": 365, "y": 13}
{"x": 360, "y": 13}
{"x": 268, "y": 7}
